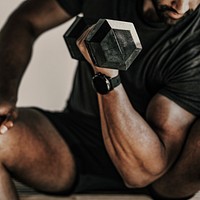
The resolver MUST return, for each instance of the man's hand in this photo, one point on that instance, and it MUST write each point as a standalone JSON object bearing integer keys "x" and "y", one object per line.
{"x": 82, "y": 46}
{"x": 8, "y": 114}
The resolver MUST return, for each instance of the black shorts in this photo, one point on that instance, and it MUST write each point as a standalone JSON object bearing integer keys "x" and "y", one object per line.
{"x": 95, "y": 171}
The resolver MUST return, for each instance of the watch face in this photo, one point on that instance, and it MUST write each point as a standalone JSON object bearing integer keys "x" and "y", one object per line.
{"x": 101, "y": 84}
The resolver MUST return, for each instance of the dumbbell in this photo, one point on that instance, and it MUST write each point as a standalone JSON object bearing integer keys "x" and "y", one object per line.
{"x": 110, "y": 43}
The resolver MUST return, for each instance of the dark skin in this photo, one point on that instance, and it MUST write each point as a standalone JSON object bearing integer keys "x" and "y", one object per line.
{"x": 143, "y": 150}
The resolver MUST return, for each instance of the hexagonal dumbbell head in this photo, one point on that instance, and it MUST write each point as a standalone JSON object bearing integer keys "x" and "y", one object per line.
{"x": 113, "y": 44}
{"x": 71, "y": 36}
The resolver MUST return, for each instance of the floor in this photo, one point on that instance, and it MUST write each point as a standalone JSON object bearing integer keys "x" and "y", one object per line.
{"x": 29, "y": 194}
{"x": 93, "y": 197}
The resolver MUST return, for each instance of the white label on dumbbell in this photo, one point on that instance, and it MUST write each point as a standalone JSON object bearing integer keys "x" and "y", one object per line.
{"x": 121, "y": 25}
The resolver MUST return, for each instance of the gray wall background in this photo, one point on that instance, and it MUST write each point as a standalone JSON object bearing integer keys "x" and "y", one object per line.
{"x": 48, "y": 78}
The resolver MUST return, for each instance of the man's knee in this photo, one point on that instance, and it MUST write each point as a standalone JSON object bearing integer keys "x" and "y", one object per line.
{"x": 35, "y": 153}
{"x": 16, "y": 143}
{"x": 11, "y": 144}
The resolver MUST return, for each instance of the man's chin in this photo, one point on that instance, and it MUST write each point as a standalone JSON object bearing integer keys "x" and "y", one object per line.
{"x": 171, "y": 21}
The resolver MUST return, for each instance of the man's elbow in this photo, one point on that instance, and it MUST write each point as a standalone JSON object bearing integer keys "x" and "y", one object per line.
{"x": 137, "y": 183}
{"x": 142, "y": 177}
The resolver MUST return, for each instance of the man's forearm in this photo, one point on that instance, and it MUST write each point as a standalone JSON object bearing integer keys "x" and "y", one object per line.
{"x": 133, "y": 146}
{"x": 16, "y": 40}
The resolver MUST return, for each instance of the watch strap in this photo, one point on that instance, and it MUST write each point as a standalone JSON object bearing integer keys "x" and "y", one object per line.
{"x": 115, "y": 81}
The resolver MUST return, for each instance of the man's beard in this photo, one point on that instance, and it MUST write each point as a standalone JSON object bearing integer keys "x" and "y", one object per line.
{"x": 162, "y": 10}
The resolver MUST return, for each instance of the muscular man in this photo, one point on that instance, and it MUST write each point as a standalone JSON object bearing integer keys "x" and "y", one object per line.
{"x": 144, "y": 133}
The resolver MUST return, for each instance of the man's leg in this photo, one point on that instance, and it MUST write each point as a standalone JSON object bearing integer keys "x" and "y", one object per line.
{"x": 184, "y": 177}
{"x": 33, "y": 152}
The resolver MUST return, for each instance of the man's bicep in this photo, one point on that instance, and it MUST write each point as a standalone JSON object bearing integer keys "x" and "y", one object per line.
{"x": 42, "y": 15}
{"x": 170, "y": 122}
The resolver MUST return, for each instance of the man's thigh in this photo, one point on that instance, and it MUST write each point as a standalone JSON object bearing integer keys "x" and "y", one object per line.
{"x": 35, "y": 153}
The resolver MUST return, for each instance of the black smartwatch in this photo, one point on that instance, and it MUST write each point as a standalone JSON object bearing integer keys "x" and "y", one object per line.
{"x": 104, "y": 84}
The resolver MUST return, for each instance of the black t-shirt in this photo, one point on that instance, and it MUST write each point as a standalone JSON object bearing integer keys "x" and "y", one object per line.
{"x": 168, "y": 64}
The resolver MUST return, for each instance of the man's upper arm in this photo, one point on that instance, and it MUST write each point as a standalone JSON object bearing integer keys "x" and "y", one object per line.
{"x": 41, "y": 15}
{"x": 170, "y": 122}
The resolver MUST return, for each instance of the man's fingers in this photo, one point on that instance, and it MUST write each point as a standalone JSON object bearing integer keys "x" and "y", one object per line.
{"x": 7, "y": 122}
{"x": 6, "y": 126}
{"x": 3, "y": 129}
{"x": 82, "y": 46}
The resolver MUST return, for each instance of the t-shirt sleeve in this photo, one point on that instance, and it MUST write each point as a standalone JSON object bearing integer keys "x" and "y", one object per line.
{"x": 182, "y": 82}
{"x": 73, "y": 7}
